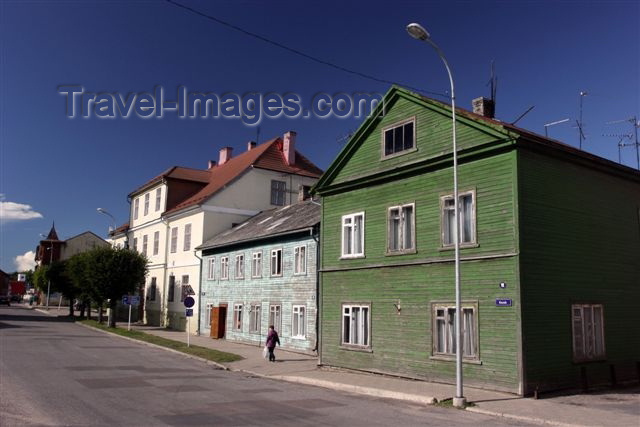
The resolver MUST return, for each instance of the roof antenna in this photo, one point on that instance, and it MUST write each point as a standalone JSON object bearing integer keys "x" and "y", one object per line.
{"x": 522, "y": 115}
{"x": 583, "y": 93}
{"x": 547, "y": 125}
{"x": 632, "y": 137}
{"x": 493, "y": 84}
{"x": 345, "y": 138}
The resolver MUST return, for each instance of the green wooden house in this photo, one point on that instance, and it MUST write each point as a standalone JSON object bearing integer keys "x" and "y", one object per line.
{"x": 550, "y": 254}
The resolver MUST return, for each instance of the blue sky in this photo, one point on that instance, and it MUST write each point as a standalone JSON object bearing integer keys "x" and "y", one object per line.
{"x": 545, "y": 53}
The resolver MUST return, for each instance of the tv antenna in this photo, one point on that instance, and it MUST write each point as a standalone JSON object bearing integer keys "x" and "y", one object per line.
{"x": 523, "y": 114}
{"x": 632, "y": 137}
{"x": 583, "y": 93}
{"x": 548, "y": 125}
{"x": 345, "y": 138}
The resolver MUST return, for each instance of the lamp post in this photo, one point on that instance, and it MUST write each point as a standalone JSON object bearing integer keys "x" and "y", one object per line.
{"x": 418, "y": 32}
{"x": 50, "y": 262}
{"x": 104, "y": 211}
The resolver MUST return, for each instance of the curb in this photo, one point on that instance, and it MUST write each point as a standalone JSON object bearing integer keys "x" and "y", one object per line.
{"x": 190, "y": 356}
{"x": 535, "y": 420}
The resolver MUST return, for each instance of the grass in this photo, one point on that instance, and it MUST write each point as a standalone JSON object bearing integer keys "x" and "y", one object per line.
{"x": 448, "y": 403}
{"x": 194, "y": 350}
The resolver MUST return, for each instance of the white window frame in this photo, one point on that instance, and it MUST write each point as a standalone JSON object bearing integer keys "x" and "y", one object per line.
{"x": 256, "y": 264}
{"x": 146, "y": 204}
{"x": 447, "y": 321}
{"x": 174, "y": 240}
{"x": 156, "y": 242}
{"x": 186, "y": 246}
{"x": 275, "y": 316}
{"x": 587, "y": 328}
{"x": 472, "y": 239}
{"x": 211, "y": 274}
{"x": 402, "y": 225}
{"x": 136, "y": 207}
{"x": 361, "y": 340}
{"x": 224, "y": 268}
{"x": 158, "y": 198}
{"x": 298, "y": 321}
{"x": 277, "y": 192}
{"x": 239, "y": 266}
{"x": 135, "y": 244}
{"x": 237, "y": 317}
{"x": 395, "y": 125}
{"x": 145, "y": 244}
{"x": 255, "y": 316}
{"x": 348, "y": 222}
{"x": 278, "y": 262}
{"x": 300, "y": 260}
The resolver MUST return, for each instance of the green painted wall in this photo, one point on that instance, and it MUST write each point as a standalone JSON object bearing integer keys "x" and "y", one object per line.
{"x": 580, "y": 243}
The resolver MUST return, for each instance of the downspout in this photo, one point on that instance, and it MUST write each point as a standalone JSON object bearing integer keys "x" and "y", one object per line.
{"x": 164, "y": 302}
{"x": 199, "y": 292}
{"x": 315, "y": 237}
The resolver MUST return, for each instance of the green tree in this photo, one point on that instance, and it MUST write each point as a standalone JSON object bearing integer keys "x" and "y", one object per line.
{"x": 40, "y": 280}
{"x": 61, "y": 282}
{"x": 77, "y": 270}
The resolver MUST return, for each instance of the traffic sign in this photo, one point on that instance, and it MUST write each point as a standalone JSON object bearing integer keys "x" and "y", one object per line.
{"x": 125, "y": 300}
{"x": 189, "y": 312}
{"x": 504, "y": 302}
{"x": 189, "y": 302}
{"x": 188, "y": 290}
{"x": 135, "y": 300}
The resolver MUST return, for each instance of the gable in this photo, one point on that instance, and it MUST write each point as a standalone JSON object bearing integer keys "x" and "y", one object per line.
{"x": 363, "y": 156}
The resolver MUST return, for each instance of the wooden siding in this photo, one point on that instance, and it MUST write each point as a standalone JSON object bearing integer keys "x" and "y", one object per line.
{"x": 580, "y": 243}
{"x": 433, "y": 138}
{"x": 287, "y": 290}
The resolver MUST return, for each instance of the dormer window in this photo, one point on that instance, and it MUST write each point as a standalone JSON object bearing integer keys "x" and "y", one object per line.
{"x": 399, "y": 137}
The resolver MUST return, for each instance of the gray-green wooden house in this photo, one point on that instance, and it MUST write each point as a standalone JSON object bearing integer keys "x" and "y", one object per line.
{"x": 550, "y": 254}
{"x": 263, "y": 272}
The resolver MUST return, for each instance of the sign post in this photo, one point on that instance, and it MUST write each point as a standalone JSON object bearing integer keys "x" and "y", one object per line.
{"x": 188, "y": 303}
{"x": 130, "y": 300}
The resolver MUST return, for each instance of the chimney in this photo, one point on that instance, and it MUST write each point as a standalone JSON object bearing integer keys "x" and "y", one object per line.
{"x": 251, "y": 145}
{"x": 289, "y": 147}
{"x": 303, "y": 192}
{"x": 225, "y": 155}
{"x": 212, "y": 164}
{"x": 484, "y": 107}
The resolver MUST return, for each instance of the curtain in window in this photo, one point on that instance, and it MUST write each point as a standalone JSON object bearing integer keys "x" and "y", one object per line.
{"x": 357, "y": 234}
{"x": 346, "y": 238}
{"x": 407, "y": 229}
{"x": 466, "y": 223}
{"x": 468, "y": 333}
{"x": 394, "y": 229}
{"x": 448, "y": 222}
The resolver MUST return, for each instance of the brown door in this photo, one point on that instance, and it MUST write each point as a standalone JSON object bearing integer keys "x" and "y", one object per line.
{"x": 218, "y": 321}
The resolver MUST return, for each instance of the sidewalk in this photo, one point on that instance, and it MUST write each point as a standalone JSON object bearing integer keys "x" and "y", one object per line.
{"x": 619, "y": 407}
{"x": 611, "y": 408}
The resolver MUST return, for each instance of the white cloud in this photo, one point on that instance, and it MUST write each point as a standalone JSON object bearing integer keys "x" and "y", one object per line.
{"x": 25, "y": 262}
{"x": 11, "y": 211}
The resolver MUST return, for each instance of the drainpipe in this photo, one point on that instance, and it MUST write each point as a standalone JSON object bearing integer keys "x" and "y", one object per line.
{"x": 195, "y": 253}
{"x": 164, "y": 302}
{"x": 316, "y": 238}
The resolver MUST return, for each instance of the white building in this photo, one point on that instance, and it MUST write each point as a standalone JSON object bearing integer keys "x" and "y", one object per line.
{"x": 180, "y": 209}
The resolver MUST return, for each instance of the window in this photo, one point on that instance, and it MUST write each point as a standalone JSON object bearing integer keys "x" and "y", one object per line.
{"x": 256, "y": 264}
{"x": 355, "y": 325}
{"x": 588, "y": 332}
{"x": 174, "y": 240}
{"x": 144, "y": 245}
{"x": 185, "y": 287}
{"x": 275, "y": 316}
{"x": 207, "y": 323}
{"x": 237, "y": 317}
{"x": 298, "y": 323}
{"x": 156, "y": 242}
{"x": 212, "y": 268}
{"x": 444, "y": 330}
{"x": 467, "y": 208}
{"x": 300, "y": 259}
{"x": 401, "y": 232}
{"x": 146, "y": 204}
{"x": 276, "y": 262}
{"x": 240, "y": 266}
{"x": 135, "y": 244}
{"x": 136, "y": 208}
{"x": 353, "y": 235}
{"x": 152, "y": 289}
{"x": 254, "y": 317}
{"x": 187, "y": 237}
{"x": 224, "y": 267}
{"x": 172, "y": 288}
{"x": 158, "y": 198}
{"x": 398, "y": 137}
{"x": 278, "y": 192}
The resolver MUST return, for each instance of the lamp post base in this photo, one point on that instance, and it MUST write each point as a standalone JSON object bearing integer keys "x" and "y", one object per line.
{"x": 459, "y": 402}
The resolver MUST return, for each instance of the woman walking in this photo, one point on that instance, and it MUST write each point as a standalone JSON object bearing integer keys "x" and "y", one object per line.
{"x": 272, "y": 339}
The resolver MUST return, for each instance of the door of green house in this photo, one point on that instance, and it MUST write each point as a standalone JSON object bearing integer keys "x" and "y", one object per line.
{"x": 218, "y": 321}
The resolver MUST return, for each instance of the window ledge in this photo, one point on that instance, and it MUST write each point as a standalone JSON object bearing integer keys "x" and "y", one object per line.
{"x": 397, "y": 253}
{"x": 453, "y": 359}
{"x": 399, "y": 153}
{"x": 356, "y": 348}
{"x": 352, "y": 256}
{"x": 462, "y": 246}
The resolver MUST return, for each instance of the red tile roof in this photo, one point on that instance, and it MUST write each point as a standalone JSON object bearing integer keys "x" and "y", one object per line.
{"x": 267, "y": 155}
{"x": 176, "y": 172}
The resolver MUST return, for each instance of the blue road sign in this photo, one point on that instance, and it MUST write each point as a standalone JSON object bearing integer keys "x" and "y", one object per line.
{"x": 135, "y": 300}
{"x": 189, "y": 312}
{"x": 503, "y": 302}
{"x": 125, "y": 300}
{"x": 189, "y": 302}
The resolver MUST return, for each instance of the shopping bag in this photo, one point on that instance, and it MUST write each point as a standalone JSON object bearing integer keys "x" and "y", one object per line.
{"x": 265, "y": 352}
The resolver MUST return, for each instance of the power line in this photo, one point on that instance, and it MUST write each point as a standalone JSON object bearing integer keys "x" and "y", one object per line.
{"x": 300, "y": 53}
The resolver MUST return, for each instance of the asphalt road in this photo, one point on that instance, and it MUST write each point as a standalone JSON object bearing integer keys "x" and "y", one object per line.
{"x": 56, "y": 373}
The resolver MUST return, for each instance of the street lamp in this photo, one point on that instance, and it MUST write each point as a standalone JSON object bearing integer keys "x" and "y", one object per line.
{"x": 50, "y": 262}
{"x": 418, "y": 32}
{"x": 104, "y": 211}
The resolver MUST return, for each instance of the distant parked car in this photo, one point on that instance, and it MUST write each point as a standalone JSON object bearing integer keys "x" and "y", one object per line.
{"x": 16, "y": 298}
{"x": 4, "y": 299}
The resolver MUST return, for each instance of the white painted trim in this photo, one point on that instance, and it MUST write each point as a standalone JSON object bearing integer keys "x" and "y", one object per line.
{"x": 233, "y": 211}
{"x": 146, "y": 224}
{"x": 183, "y": 265}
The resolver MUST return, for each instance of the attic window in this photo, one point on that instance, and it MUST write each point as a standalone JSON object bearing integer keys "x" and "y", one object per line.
{"x": 399, "y": 137}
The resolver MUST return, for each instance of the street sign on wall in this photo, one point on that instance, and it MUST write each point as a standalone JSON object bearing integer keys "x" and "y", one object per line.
{"x": 504, "y": 302}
